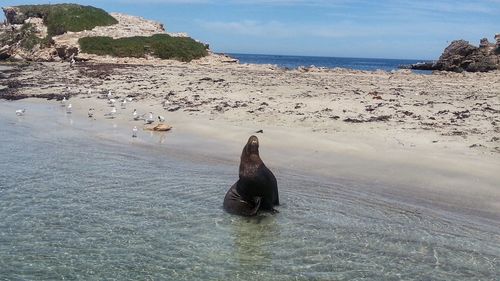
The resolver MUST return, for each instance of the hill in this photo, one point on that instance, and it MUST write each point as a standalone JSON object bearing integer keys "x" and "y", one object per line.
{"x": 65, "y": 31}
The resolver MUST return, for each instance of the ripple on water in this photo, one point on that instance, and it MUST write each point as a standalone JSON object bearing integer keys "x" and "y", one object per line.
{"x": 76, "y": 208}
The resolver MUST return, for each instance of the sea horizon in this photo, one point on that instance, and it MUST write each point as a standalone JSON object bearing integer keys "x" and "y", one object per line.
{"x": 295, "y": 61}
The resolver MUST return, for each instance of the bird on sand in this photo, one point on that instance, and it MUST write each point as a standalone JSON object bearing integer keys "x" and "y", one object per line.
{"x": 20, "y": 112}
{"x": 111, "y": 114}
{"x": 124, "y": 104}
{"x": 134, "y": 132}
{"x": 150, "y": 118}
{"x": 161, "y": 119}
{"x": 63, "y": 102}
{"x": 69, "y": 108}
{"x": 136, "y": 115}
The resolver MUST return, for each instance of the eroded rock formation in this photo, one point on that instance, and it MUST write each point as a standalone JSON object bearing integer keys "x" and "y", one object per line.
{"x": 461, "y": 56}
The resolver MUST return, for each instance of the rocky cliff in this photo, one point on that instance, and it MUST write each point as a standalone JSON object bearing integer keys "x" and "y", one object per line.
{"x": 461, "y": 56}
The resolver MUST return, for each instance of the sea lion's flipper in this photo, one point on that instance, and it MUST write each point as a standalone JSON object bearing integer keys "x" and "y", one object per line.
{"x": 235, "y": 204}
{"x": 272, "y": 183}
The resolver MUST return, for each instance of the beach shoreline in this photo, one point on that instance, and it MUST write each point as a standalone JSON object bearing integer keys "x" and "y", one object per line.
{"x": 323, "y": 123}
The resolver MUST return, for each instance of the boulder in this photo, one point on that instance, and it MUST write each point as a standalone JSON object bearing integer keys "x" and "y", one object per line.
{"x": 484, "y": 44}
{"x": 66, "y": 52}
{"x": 14, "y": 16}
{"x": 454, "y": 55}
{"x": 461, "y": 56}
{"x": 5, "y": 52}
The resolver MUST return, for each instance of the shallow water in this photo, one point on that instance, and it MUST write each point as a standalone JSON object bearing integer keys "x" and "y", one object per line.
{"x": 76, "y": 205}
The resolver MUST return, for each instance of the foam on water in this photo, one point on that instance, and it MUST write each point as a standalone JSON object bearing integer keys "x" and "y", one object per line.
{"x": 73, "y": 206}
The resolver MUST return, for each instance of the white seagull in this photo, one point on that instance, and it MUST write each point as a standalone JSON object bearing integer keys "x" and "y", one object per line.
{"x": 124, "y": 104}
{"x": 134, "y": 132}
{"x": 136, "y": 115}
{"x": 130, "y": 99}
{"x": 68, "y": 109}
{"x": 111, "y": 101}
{"x": 20, "y": 112}
{"x": 63, "y": 101}
{"x": 161, "y": 118}
{"x": 109, "y": 95}
{"x": 111, "y": 114}
{"x": 150, "y": 118}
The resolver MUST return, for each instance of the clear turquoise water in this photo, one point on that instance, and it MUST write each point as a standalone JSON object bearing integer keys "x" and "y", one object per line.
{"x": 79, "y": 207}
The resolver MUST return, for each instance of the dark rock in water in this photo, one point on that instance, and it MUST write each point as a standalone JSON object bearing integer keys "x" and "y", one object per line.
{"x": 461, "y": 56}
{"x": 419, "y": 66}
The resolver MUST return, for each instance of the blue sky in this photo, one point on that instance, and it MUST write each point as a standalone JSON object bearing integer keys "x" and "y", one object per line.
{"x": 356, "y": 28}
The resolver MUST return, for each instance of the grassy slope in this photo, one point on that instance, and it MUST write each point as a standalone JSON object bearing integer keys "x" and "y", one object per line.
{"x": 160, "y": 45}
{"x": 61, "y": 18}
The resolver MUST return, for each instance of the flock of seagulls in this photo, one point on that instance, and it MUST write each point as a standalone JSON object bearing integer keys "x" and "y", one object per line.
{"x": 148, "y": 118}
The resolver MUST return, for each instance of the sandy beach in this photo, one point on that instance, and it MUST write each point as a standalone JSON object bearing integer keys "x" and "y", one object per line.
{"x": 425, "y": 137}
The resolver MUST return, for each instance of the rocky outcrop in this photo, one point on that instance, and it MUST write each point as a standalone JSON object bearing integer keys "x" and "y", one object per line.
{"x": 461, "y": 56}
{"x": 14, "y": 16}
{"x": 24, "y": 36}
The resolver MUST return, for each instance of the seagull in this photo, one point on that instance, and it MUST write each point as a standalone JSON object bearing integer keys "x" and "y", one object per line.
{"x": 68, "y": 109}
{"x": 91, "y": 112}
{"x": 89, "y": 92}
{"x": 111, "y": 101}
{"x": 161, "y": 118}
{"x": 72, "y": 62}
{"x": 150, "y": 119}
{"x": 134, "y": 132}
{"x": 109, "y": 95}
{"x": 124, "y": 104}
{"x": 111, "y": 114}
{"x": 130, "y": 99}
{"x": 63, "y": 101}
{"x": 20, "y": 112}
{"x": 136, "y": 115}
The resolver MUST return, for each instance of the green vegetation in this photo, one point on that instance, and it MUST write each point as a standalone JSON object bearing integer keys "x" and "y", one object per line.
{"x": 60, "y": 18}
{"x": 159, "y": 45}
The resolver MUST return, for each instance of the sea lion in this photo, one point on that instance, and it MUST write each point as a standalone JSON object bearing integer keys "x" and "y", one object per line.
{"x": 256, "y": 189}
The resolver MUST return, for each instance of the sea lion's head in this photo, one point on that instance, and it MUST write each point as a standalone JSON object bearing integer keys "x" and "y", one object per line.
{"x": 252, "y": 146}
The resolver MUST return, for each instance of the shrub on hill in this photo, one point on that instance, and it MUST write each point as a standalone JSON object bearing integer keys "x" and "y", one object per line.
{"x": 61, "y": 18}
{"x": 160, "y": 45}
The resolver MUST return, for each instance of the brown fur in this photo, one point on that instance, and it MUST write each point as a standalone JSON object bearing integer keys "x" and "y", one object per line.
{"x": 256, "y": 188}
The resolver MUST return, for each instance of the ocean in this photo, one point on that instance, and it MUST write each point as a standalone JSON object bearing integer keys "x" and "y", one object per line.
{"x": 80, "y": 200}
{"x": 328, "y": 62}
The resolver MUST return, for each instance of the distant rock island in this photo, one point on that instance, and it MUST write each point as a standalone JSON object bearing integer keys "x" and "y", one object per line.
{"x": 461, "y": 56}
{"x": 70, "y": 31}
